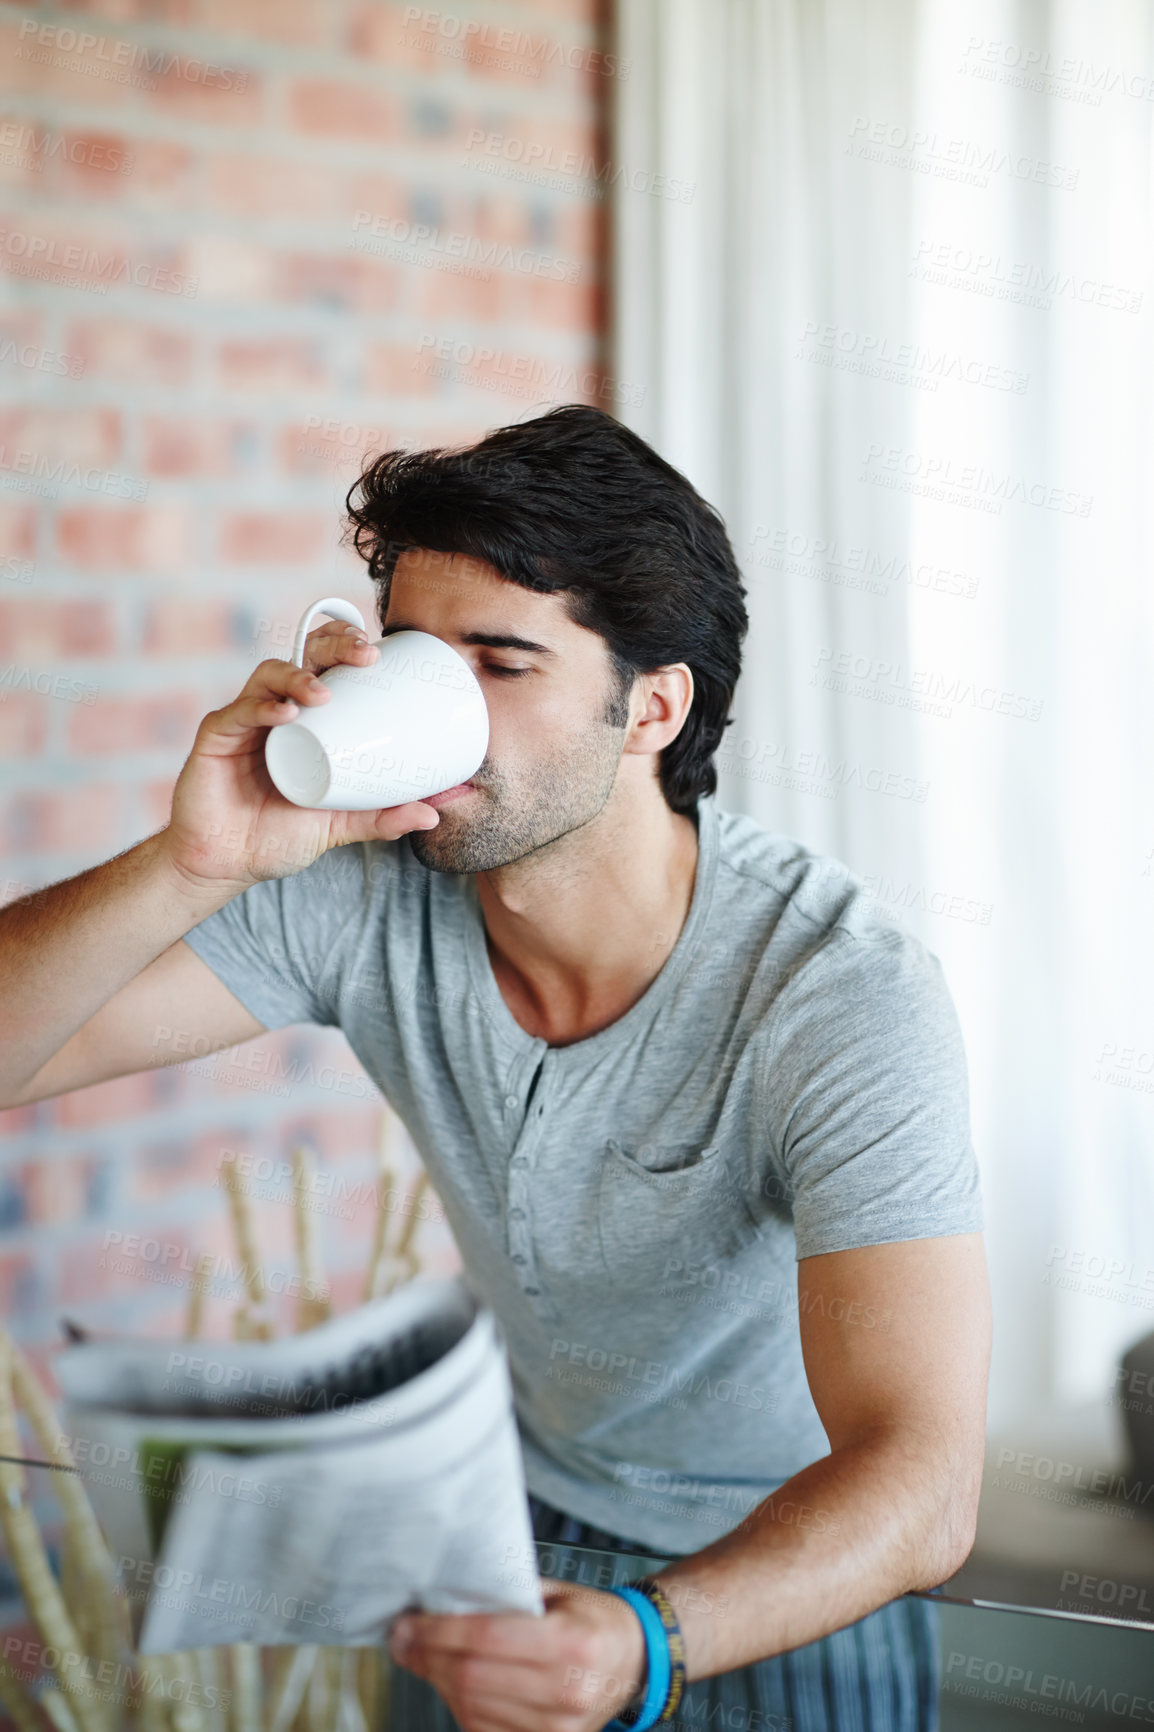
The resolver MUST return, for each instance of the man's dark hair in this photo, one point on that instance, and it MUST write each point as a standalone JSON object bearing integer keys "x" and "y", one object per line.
{"x": 574, "y": 503}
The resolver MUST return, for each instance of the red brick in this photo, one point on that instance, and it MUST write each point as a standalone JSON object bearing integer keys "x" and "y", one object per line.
{"x": 587, "y": 12}
{"x": 89, "y": 164}
{"x": 267, "y": 186}
{"x": 23, "y": 722}
{"x": 231, "y": 268}
{"x": 86, "y": 819}
{"x": 337, "y": 1133}
{"x": 66, "y": 76}
{"x": 19, "y": 325}
{"x": 19, "y": 168}
{"x": 88, "y": 437}
{"x": 377, "y": 32}
{"x": 577, "y": 307}
{"x": 20, "y": 1121}
{"x": 174, "y": 626}
{"x": 102, "y": 1268}
{"x": 137, "y": 724}
{"x": 283, "y": 537}
{"x": 224, "y": 92}
{"x": 510, "y": 298}
{"x": 108, "y": 1103}
{"x": 521, "y": 54}
{"x": 170, "y": 12}
{"x": 303, "y": 24}
{"x": 132, "y": 351}
{"x": 347, "y": 281}
{"x": 185, "y": 445}
{"x": 51, "y": 630}
{"x": 581, "y": 230}
{"x": 160, "y": 169}
{"x": 181, "y": 1164}
{"x": 155, "y": 800}
{"x": 568, "y": 149}
{"x": 17, "y": 529}
{"x": 59, "y": 1189}
{"x": 390, "y": 370}
{"x": 23, "y": 1289}
{"x": 41, "y": 246}
{"x": 133, "y": 538}
{"x": 271, "y": 364}
{"x": 334, "y": 108}
{"x": 442, "y": 298}
{"x": 336, "y": 445}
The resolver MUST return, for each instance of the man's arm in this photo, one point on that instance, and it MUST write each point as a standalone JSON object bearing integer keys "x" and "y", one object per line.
{"x": 175, "y": 990}
{"x": 896, "y": 1340}
{"x": 89, "y": 967}
{"x": 894, "y": 1505}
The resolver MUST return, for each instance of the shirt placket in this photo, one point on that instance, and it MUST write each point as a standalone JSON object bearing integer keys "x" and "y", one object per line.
{"x": 522, "y": 1168}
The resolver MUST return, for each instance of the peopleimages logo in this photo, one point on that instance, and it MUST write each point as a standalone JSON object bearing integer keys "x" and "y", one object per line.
{"x": 212, "y": 1596}
{"x": 24, "y": 143}
{"x": 531, "y": 158}
{"x": 456, "y": 247}
{"x": 116, "y": 59}
{"x": 36, "y": 255}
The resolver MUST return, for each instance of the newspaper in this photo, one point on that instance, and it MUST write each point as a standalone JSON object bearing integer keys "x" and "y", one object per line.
{"x": 309, "y": 1489}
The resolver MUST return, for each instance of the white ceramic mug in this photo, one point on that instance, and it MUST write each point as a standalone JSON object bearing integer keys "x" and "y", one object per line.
{"x": 412, "y": 724}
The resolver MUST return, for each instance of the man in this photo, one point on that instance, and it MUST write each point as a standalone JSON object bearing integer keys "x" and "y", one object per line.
{"x": 653, "y": 1057}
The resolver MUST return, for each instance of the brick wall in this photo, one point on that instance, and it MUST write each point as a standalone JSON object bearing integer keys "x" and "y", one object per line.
{"x": 241, "y": 243}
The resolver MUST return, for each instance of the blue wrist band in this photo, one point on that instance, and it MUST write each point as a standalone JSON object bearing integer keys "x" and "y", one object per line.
{"x": 660, "y": 1673}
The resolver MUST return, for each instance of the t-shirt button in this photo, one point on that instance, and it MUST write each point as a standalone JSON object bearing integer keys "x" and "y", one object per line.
{"x": 532, "y": 1291}
{"x": 518, "y": 1258}
{"x": 516, "y": 1214}
{"x": 510, "y": 1100}
{"x": 519, "y": 1161}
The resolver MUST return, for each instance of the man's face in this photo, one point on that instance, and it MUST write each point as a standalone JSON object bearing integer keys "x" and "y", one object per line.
{"x": 555, "y": 729}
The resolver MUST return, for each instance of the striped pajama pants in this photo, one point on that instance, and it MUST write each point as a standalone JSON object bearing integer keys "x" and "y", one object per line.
{"x": 881, "y": 1674}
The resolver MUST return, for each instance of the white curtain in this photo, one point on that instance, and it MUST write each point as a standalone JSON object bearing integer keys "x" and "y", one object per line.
{"x": 883, "y": 291}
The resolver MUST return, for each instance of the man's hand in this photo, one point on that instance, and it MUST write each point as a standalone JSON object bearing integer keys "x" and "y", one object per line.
{"x": 230, "y": 826}
{"x": 571, "y": 1671}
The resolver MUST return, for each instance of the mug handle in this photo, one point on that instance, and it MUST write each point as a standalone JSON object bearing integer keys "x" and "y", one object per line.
{"x": 337, "y": 609}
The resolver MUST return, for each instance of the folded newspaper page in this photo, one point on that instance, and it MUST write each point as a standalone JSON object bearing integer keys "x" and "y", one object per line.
{"x": 307, "y": 1489}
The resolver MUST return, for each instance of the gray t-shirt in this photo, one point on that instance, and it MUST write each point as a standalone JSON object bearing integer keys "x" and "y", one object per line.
{"x": 793, "y": 1082}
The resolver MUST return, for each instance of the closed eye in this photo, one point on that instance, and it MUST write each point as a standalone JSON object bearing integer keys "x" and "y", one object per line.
{"x": 508, "y": 673}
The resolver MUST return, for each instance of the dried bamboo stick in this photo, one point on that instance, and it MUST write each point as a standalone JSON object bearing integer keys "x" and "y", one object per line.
{"x": 187, "y": 1714}
{"x": 372, "y": 1684}
{"x": 55, "y": 1705}
{"x": 109, "y": 1618}
{"x": 240, "y": 1203}
{"x": 247, "y": 1688}
{"x": 292, "y": 1691}
{"x": 374, "y": 1275}
{"x": 350, "y": 1714}
{"x": 213, "y": 1694}
{"x": 324, "y": 1700}
{"x": 194, "y": 1317}
{"x": 405, "y": 1242}
{"x": 20, "y": 1706}
{"x": 41, "y": 1593}
{"x": 151, "y": 1716}
{"x": 312, "y": 1308}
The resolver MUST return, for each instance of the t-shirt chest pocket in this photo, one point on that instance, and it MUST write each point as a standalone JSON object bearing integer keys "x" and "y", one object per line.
{"x": 660, "y": 1205}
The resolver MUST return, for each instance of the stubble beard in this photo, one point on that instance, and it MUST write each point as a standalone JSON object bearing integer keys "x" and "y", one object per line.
{"x": 509, "y": 818}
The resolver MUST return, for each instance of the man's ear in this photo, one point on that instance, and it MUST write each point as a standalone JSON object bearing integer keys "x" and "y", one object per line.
{"x": 666, "y": 698}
